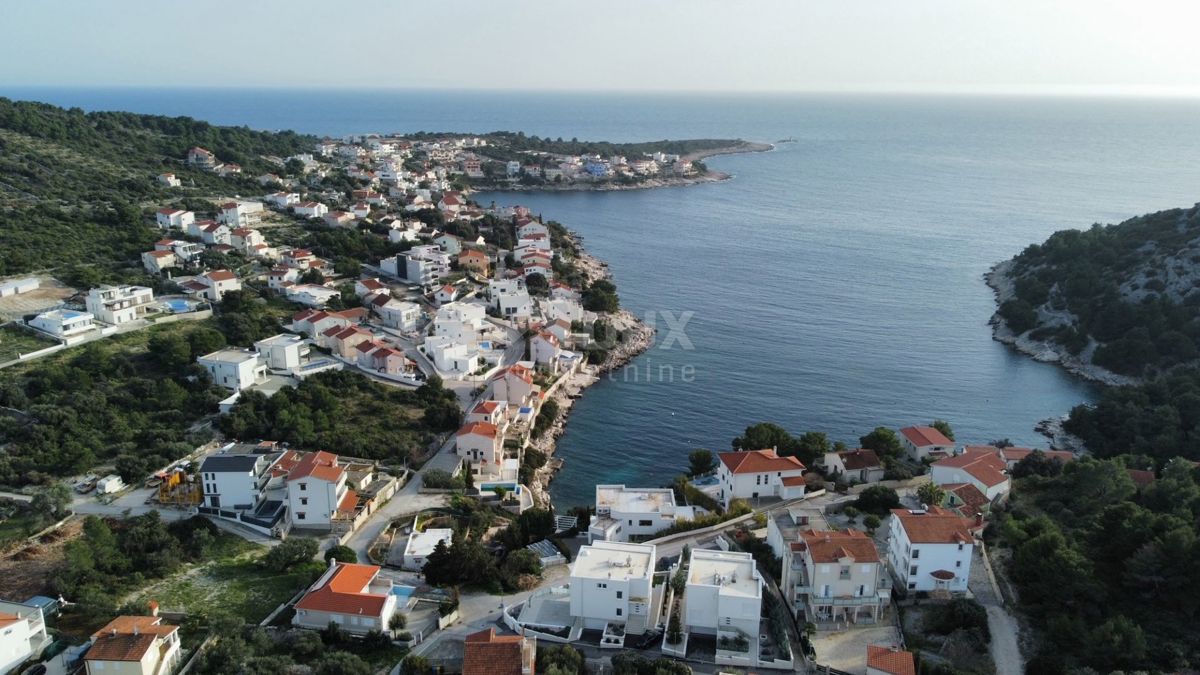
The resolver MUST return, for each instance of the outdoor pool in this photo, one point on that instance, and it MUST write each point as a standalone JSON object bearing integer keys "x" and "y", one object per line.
{"x": 403, "y": 592}
{"x": 706, "y": 480}
{"x": 511, "y": 487}
{"x": 179, "y": 305}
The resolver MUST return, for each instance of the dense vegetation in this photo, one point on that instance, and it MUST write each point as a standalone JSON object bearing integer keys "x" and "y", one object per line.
{"x": 75, "y": 184}
{"x": 251, "y": 650}
{"x": 1126, "y": 291}
{"x": 347, "y": 413}
{"x": 1159, "y": 419}
{"x": 506, "y": 145}
{"x": 1104, "y": 569}
{"x": 109, "y": 401}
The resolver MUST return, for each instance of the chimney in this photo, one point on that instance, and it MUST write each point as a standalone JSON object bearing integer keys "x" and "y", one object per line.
{"x": 153, "y": 604}
{"x": 978, "y": 519}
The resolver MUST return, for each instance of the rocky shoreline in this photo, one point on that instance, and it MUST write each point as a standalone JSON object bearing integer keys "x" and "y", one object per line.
{"x": 999, "y": 279}
{"x": 637, "y": 337}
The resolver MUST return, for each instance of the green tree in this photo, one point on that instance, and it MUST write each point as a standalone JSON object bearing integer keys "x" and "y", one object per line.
{"x": 51, "y": 501}
{"x": 701, "y": 462}
{"x": 291, "y": 552}
{"x": 944, "y": 427}
{"x": 871, "y": 522}
{"x": 883, "y": 441}
{"x": 931, "y": 494}
{"x": 341, "y": 553}
{"x": 877, "y": 499}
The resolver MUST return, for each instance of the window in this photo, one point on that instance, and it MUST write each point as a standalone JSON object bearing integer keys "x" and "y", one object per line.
{"x": 958, "y": 563}
{"x": 645, "y": 523}
{"x": 620, "y": 594}
{"x": 601, "y": 585}
{"x": 960, "y": 546}
{"x": 299, "y": 515}
{"x": 912, "y": 585}
{"x": 303, "y": 487}
{"x": 304, "y": 501}
{"x": 618, "y": 611}
{"x": 916, "y": 553}
{"x": 844, "y": 572}
{"x": 912, "y": 570}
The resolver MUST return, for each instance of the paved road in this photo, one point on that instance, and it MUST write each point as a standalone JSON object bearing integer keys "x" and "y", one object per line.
{"x": 1004, "y": 648}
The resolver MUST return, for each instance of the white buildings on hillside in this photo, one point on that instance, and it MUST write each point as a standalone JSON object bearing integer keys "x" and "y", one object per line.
{"x": 611, "y": 583}
{"x": 63, "y": 323}
{"x": 854, "y": 466}
{"x": 235, "y": 369}
{"x": 835, "y": 576}
{"x": 759, "y": 473}
{"x": 625, "y": 512}
{"x": 283, "y": 352}
{"x": 981, "y": 467}
{"x": 930, "y": 549}
{"x": 118, "y": 305}
{"x": 393, "y": 313}
{"x": 723, "y": 596}
{"x": 421, "y": 543}
{"x": 174, "y": 218}
{"x": 22, "y": 634}
{"x": 481, "y": 444}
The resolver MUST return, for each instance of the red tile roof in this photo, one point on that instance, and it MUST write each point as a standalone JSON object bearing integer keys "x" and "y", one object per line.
{"x": 861, "y": 458}
{"x": 793, "y": 481}
{"x": 344, "y": 592}
{"x": 828, "y": 546}
{"x": 479, "y": 428}
{"x": 487, "y": 407}
{"x": 322, "y": 465}
{"x": 982, "y": 465}
{"x": 485, "y": 653}
{"x": 349, "y": 502}
{"x": 759, "y": 461}
{"x": 127, "y": 638}
{"x": 925, "y": 436}
{"x": 1141, "y": 478}
{"x": 973, "y": 501}
{"x": 934, "y": 526}
{"x": 221, "y": 275}
{"x": 890, "y": 660}
{"x": 1018, "y": 454}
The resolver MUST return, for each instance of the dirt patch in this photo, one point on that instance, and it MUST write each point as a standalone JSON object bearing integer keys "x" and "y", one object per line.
{"x": 28, "y": 569}
{"x": 51, "y": 293}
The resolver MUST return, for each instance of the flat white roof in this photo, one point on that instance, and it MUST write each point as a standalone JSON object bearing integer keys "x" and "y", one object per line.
{"x": 281, "y": 339}
{"x": 634, "y": 500}
{"x": 733, "y": 571}
{"x": 230, "y": 356}
{"x": 614, "y": 560}
{"x": 423, "y": 543}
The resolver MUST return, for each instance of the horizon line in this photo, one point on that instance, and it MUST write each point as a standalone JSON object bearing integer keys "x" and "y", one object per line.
{"x": 1028, "y": 91}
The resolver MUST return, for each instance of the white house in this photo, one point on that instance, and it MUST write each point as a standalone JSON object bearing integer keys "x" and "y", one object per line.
{"x": 513, "y": 384}
{"x": 921, "y": 442}
{"x": 611, "y": 582}
{"x": 118, "y": 305}
{"x": 22, "y": 634}
{"x": 544, "y": 349}
{"x": 930, "y": 549}
{"x": 174, "y": 218}
{"x": 246, "y": 239}
{"x": 350, "y": 595}
{"x": 134, "y": 645}
{"x": 282, "y": 199}
{"x": 214, "y": 234}
{"x": 394, "y": 313}
{"x": 235, "y": 369}
{"x": 311, "y": 295}
{"x": 723, "y": 595}
{"x": 854, "y": 466}
{"x": 62, "y": 323}
{"x": 157, "y": 261}
{"x": 235, "y": 481}
{"x": 481, "y": 444}
{"x": 283, "y": 352}
{"x": 835, "y": 576}
{"x": 980, "y": 467}
{"x": 169, "y": 180}
{"x": 625, "y": 512}
{"x": 446, "y": 294}
{"x": 214, "y": 285}
{"x": 310, "y": 210}
{"x": 421, "y": 544}
{"x": 759, "y": 473}
{"x": 365, "y": 287}
{"x": 317, "y": 494}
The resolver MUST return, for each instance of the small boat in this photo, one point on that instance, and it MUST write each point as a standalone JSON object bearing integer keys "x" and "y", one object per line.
{"x": 786, "y": 140}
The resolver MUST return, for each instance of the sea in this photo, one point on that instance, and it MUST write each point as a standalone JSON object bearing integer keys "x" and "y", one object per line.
{"x": 834, "y": 284}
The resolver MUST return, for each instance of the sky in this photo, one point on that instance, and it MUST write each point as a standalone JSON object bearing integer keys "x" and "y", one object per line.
{"x": 945, "y": 46}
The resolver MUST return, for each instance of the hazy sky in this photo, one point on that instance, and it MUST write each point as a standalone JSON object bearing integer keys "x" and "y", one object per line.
{"x": 727, "y": 45}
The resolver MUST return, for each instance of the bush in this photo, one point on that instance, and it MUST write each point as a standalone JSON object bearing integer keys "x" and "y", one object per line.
{"x": 958, "y": 613}
{"x": 341, "y": 553}
{"x": 291, "y": 552}
{"x": 877, "y": 499}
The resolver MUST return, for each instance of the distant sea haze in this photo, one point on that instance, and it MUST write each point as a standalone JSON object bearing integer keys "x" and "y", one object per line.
{"x": 833, "y": 285}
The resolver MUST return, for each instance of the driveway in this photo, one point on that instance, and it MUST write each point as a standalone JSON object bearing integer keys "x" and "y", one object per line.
{"x": 1004, "y": 648}
{"x": 847, "y": 649}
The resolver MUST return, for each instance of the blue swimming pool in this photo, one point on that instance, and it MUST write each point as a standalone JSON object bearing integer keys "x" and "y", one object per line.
{"x": 179, "y": 305}
{"x": 510, "y": 486}
{"x": 403, "y": 592}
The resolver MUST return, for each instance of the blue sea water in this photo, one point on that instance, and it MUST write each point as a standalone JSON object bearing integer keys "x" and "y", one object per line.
{"x": 834, "y": 284}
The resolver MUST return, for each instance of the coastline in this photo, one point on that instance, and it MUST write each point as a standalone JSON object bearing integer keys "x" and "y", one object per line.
{"x": 648, "y": 184}
{"x": 999, "y": 279}
{"x": 637, "y": 337}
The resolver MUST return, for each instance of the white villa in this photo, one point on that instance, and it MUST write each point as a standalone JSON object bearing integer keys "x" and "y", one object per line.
{"x": 625, "y": 512}
{"x": 421, "y": 544}
{"x": 611, "y": 583}
{"x": 759, "y": 473}
{"x": 235, "y": 369}
{"x": 930, "y": 549}
{"x": 117, "y": 305}
{"x": 350, "y": 595}
{"x": 63, "y": 323}
{"x": 723, "y": 596}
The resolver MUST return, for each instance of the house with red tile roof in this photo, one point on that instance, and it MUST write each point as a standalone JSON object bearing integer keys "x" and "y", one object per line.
{"x": 492, "y": 412}
{"x": 317, "y": 495}
{"x": 755, "y": 474}
{"x": 350, "y": 595}
{"x": 342, "y": 340}
{"x": 930, "y": 549}
{"x": 854, "y": 466}
{"x": 481, "y": 444}
{"x": 485, "y": 653}
{"x": 922, "y": 442}
{"x": 980, "y": 467}
{"x": 134, "y": 644}
{"x": 174, "y": 218}
{"x": 835, "y": 576}
{"x": 1013, "y": 455}
{"x": 515, "y": 385}
{"x": 890, "y": 660}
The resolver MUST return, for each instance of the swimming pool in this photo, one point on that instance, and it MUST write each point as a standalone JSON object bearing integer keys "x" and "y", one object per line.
{"x": 706, "y": 480}
{"x": 510, "y": 486}
{"x": 179, "y": 305}
{"x": 403, "y": 592}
